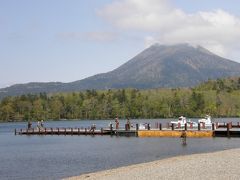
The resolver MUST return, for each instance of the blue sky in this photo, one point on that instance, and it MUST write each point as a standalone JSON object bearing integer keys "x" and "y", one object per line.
{"x": 60, "y": 40}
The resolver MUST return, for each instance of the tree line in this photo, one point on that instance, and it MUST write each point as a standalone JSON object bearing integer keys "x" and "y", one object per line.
{"x": 219, "y": 98}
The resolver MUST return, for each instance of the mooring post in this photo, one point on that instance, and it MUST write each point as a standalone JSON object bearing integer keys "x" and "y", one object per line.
{"x": 199, "y": 126}
{"x": 172, "y": 127}
{"x": 184, "y": 138}
{"x": 111, "y": 129}
{"x": 15, "y": 132}
{"x": 137, "y": 127}
{"x": 185, "y": 126}
{"x": 213, "y": 127}
{"x": 228, "y": 129}
{"x": 148, "y": 126}
{"x": 160, "y": 126}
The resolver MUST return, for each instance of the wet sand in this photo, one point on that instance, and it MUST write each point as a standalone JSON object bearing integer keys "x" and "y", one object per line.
{"x": 217, "y": 165}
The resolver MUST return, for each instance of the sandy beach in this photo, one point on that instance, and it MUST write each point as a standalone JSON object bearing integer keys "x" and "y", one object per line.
{"x": 217, "y": 165}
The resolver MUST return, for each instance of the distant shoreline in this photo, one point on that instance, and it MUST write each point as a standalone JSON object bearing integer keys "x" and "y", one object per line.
{"x": 111, "y": 119}
{"x": 215, "y": 165}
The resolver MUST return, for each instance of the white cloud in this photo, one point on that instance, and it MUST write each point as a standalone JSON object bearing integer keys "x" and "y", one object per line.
{"x": 217, "y": 30}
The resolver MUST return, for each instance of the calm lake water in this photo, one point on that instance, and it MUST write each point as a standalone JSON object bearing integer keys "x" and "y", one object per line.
{"x": 55, "y": 157}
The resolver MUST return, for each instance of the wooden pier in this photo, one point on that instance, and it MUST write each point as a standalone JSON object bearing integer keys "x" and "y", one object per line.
{"x": 216, "y": 130}
{"x": 62, "y": 131}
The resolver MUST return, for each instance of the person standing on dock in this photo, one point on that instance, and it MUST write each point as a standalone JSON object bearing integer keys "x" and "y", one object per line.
{"x": 41, "y": 124}
{"x": 93, "y": 127}
{"x": 117, "y": 122}
{"x": 29, "y": 125}
{"x": 38, "y": 125}
{"x": 110, "y": 124}
{"x": 128, "y": 124}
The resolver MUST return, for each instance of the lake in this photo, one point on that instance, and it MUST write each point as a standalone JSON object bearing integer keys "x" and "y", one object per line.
{"x": 54, "y": 157}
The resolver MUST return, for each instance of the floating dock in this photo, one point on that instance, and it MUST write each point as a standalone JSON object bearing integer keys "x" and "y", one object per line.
{"x": 175, "y": 133}
{"x": 216, "y": 130}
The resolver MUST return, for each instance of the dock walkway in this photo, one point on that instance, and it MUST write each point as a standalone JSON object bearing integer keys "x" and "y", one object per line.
{"x": 216, "y": 130}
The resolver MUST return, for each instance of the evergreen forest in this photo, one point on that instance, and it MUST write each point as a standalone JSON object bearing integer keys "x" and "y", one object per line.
{"x": 218, "y": 98}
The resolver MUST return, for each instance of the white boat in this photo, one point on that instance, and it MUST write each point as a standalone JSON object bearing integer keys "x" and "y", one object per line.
{"x": 143, "y": 126}
{"x": 207, "y": 120}
{"x": 182, "y": 121}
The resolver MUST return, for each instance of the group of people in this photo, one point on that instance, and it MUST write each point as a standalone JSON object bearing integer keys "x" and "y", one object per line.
{"x": 93, "y": 127}
{"x": 117, "y": 123}
{"x": 39, "y": 124}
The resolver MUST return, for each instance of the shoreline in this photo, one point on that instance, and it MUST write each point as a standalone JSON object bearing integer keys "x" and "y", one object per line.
{"x": 110, "y": 119}
{"x": 214, "y": 165}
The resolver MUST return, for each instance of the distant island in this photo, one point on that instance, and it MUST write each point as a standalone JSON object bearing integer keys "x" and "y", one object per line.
{"x": 219, "y": 98}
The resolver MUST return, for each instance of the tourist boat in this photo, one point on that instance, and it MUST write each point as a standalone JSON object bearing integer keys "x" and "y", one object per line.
{"x": 207, "y": 120}
{"x": 182, "y": 121}
{"x": 143, "y": 126}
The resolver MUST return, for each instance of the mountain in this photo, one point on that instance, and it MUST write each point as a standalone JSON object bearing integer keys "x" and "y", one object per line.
{"x": 172, "y": 66}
